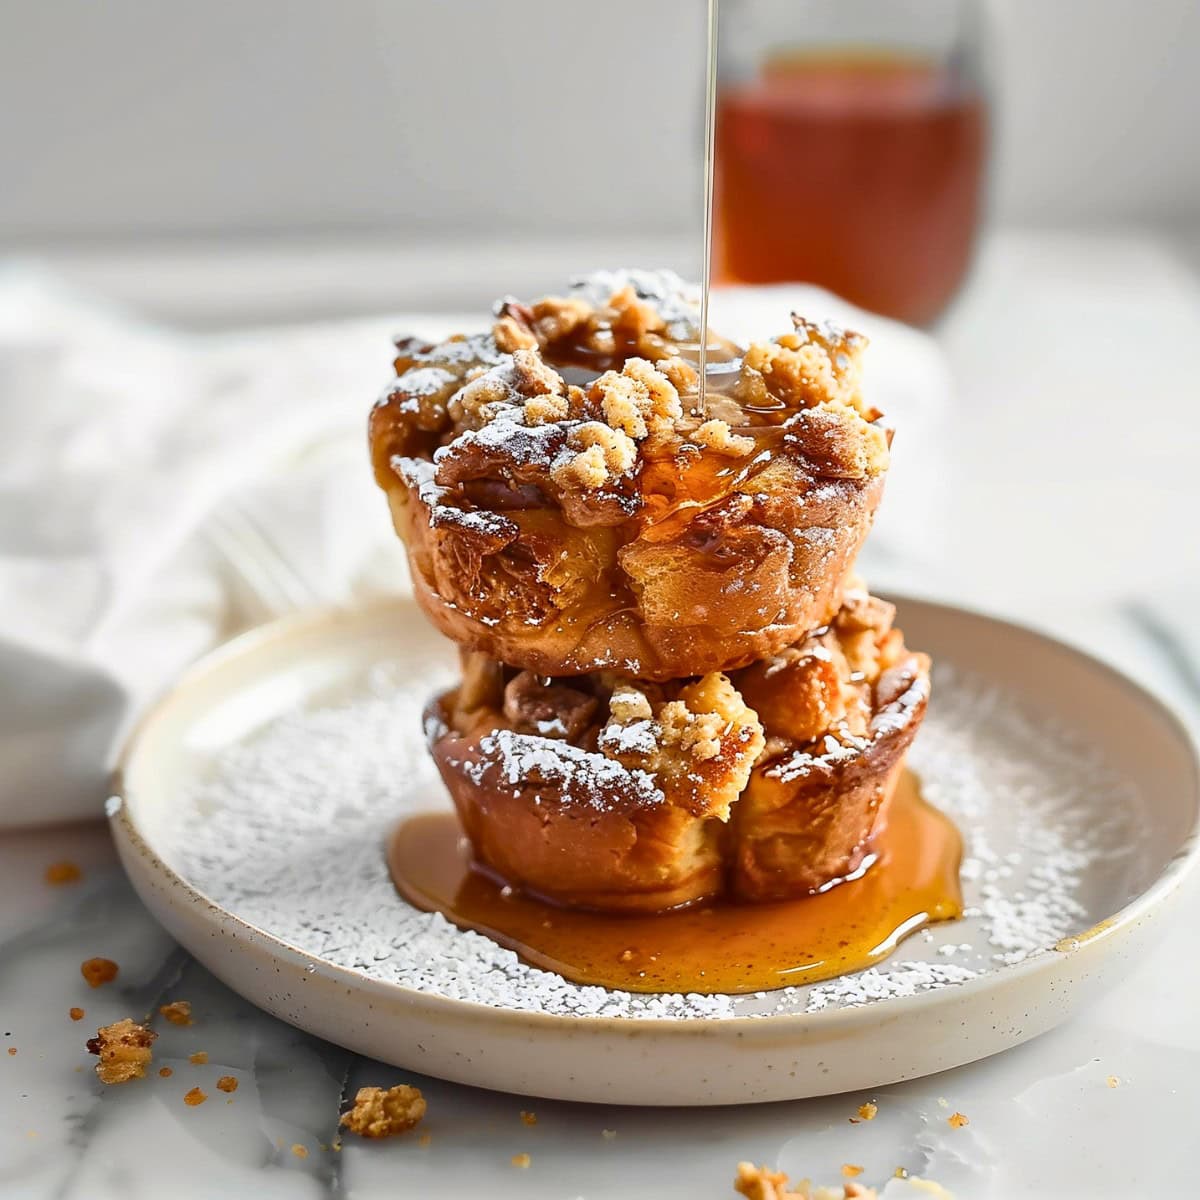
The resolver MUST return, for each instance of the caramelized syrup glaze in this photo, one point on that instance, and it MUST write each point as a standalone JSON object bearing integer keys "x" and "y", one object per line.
{"x": 711, "y": 948}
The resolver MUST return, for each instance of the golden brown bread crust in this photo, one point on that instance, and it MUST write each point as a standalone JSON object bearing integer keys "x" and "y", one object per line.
{"x": 811, "y": 818}
{"x": 569, "y": 529}
{"x": 596, "y": 793}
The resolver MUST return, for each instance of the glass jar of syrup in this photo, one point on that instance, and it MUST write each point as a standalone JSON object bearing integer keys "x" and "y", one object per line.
{"x": 851, "y": 141}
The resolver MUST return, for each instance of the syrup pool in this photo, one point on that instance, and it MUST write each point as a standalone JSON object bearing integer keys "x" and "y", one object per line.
{"x": 715, "y": 948}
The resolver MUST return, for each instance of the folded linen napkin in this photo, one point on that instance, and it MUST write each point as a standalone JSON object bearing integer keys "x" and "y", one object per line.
{"x": 160, "y": 492}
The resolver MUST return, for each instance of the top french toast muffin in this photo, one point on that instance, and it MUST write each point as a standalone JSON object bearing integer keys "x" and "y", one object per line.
{"x": 565, "y": 510}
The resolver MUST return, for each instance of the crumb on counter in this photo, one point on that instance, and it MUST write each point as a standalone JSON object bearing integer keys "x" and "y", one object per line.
{"x": 60, "y": 873}
{"x": 1113, "y": 1081}
{"x": 178, "y": 1012}
{"x": 98, "y": 971}
{"x": 76, "y": 1014}
{"x": 377, "y": 1113}
{"x": 957, "y": 1120}
{"x": 528, "y": 1118}
{"x": 123, "y": 1049}
{"x": 165, "y": 1072}
{"x": 868, "y": 1111}
{"x": 851, "y": 1170}
{"x": 199, "y": 1058}
{"x": 227, "y": 1083}
{"x": 300, "y": 1151}
{"x": 521, "y": 1160}
{"x": 194, "y": 1096}
{"x": 12, "y": 1052}
{"x": 761, "y": 1183}
{"x": 608, "y": 1134}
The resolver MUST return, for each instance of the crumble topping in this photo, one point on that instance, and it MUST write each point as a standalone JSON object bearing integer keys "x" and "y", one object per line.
{"x": 377, "y": 1113}
{"x": 700, "y": 746}
{"x": 600, "y": 453}
{"x": 639, "y": 399}
{"x": 98, "y": 971}
{"x": 123, "y": 1049}
{"x": 819, "y": 362}
{"x": 720, "y": 438}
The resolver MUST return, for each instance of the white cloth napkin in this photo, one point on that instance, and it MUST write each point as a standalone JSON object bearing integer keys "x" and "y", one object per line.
{"x": 160, "y": 492}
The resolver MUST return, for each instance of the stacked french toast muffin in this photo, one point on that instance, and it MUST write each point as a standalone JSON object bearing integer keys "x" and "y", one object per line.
{"x": 674, "y": 686}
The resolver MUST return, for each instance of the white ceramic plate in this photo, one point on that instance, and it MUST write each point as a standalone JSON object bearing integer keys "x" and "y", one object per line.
{"x": 1044, "y": 709}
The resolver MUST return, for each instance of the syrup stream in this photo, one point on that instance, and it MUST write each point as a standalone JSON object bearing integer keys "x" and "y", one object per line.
{"x": 710, "y": 141}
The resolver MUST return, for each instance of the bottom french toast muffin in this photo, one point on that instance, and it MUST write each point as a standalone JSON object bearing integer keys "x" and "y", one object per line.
{"x": 597, "y": 792}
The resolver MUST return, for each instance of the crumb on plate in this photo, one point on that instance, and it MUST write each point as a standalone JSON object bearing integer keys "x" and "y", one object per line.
{"x": 227, "y": 1083}
{"x": 194, "y": 1096}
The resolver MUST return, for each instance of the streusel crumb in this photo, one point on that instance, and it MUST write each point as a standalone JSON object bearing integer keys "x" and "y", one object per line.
{"x": 697, "y": 734}
{"x": 638, "y": 400}
{"x": 380, "y": 1114}
{"x": 123, "y": 1049}
{"x": 178, "y": 1012}
{"x": 700, "y": 746}
{"x": 761, "y": 1183}
{"x": 627, "y": 704}
{"x": 509, "y": 335}
{"x": 601, "y": 454}
{"x": 718, "y": 437}
{"x": 194, "y": 1096}
{"x": 532, "y": 377}
{"x": 60, "y": 873}
{"x": 545, "y": 410}
{"x": 98, "y": 971}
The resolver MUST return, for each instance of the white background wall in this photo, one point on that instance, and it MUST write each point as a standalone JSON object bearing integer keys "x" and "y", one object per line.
{"x": 135, "y": 117}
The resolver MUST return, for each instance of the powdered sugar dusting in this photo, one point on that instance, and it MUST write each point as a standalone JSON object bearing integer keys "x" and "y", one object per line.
{"x": 585, "y": 778}
{"x": 286, "y": 829}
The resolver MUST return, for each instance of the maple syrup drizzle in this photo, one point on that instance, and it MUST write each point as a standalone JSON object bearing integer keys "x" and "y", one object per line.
{"x": 710, "y": 146}
{"x": 720, "y": 947}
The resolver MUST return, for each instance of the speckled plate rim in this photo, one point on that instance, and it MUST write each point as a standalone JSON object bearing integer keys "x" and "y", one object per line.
{"x": 1072, "y": 959}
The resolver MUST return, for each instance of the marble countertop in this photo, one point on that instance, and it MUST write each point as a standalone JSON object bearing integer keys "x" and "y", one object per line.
{"x": 1070, "y": 490}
